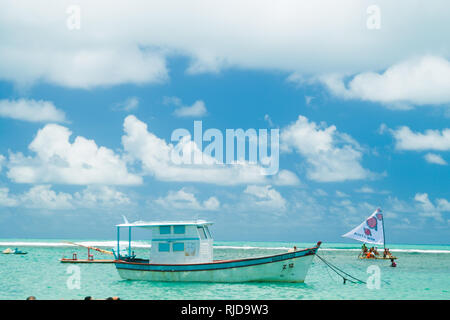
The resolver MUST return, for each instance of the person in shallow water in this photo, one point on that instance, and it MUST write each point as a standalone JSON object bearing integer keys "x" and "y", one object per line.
{"x": 393, "y": 264}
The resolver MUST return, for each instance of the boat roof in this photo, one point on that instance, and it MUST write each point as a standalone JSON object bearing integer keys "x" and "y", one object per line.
{"x": 146, "y": 224}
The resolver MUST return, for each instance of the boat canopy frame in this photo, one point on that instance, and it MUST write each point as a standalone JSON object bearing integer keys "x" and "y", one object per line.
{"x": 148, "y": 225}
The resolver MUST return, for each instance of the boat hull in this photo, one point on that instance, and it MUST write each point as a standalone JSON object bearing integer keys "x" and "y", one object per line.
{"x": 286, "y": 267}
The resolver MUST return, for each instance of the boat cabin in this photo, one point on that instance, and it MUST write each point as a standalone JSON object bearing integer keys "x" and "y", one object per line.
{"x": 180, "y": 242}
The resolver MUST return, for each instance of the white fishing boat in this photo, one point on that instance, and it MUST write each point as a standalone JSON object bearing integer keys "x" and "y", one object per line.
{"x": 371, "y": 231}
{"x": 183, "y": 251}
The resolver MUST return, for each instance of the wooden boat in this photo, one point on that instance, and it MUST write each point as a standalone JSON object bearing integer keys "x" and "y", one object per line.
{"x": 90, "y": 257}
{"x": 371, "y": 231}
{"x": 183, "y": 251}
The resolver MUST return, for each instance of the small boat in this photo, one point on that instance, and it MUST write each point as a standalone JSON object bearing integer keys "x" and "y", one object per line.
{"x": 183, "y": 251}
{"x": 90, "y": 257}
{"x": 371, "y": 231}
{"x": 15, "y": 251}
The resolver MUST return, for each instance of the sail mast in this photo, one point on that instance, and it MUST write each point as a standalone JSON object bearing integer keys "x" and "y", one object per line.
{"x": 384, "y": 238}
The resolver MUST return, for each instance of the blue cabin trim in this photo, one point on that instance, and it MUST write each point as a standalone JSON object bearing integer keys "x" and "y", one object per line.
{"x": 214, "y": 265}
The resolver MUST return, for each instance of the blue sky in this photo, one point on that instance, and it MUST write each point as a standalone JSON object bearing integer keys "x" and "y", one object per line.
{"x": 86, "y": 116}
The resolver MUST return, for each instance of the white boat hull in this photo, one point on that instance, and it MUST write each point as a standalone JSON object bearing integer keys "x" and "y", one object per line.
{"x": 287, "y": 267}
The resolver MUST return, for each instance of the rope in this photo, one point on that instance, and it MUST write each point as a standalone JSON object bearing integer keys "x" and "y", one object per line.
{"x": 339, "y": 271}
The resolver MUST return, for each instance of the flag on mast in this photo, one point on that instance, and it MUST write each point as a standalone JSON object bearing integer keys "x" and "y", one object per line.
{"x": 370, "y": 231}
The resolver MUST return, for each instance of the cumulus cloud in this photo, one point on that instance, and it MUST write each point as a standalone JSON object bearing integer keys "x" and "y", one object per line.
{"x": 183, "y": 199}
{"x": 155, "y": 155}
{"x": 43, "y": 197}
{"x": 290, "y": 35}
{"x": 265, "y": 198}
{"x": 330, "y": 155}
{"x": 419, "y": 81}
{"x": 430, "y": 210}
{"x": 435, "y": 158}
{"x": 57, "y": 160}
{"x": 31, "y": 110}
{"x": 6, "y": 200}
{"x": 286, "y": 178}
{"x": 101, "y": 196}
{"x": 406, "y": 139}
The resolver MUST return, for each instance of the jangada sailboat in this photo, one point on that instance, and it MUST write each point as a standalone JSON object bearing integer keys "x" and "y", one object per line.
{"x": 371, "y": 231}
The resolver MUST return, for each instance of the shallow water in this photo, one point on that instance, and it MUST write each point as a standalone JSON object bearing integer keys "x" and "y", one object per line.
{"x": 423, "y": 272}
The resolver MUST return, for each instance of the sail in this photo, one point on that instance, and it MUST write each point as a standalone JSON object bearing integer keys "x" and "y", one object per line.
{"x": 370, "y": 231}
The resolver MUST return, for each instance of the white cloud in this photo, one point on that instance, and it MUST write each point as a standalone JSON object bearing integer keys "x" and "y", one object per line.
{"x": 435, "y": 158}
{"x": 286, "y": 178}
{"x": 368, "y": 190}
{"x": 430, "y": 140}
{"x": 428, "y": 209}
{"x": 101, "y": 196}
{"x": 289, "y": 35}
{"x": 155, "y": 156}
{"x": 6, "y": 200}
{"x": 57, "y": 160}
{"x": 197, "y": 109}
{"x": 265, "y": 198}
{"x": 341, "y": 194}
{"x": 419, "y": 81}
{"x": 182, "y": 199}
{"x": 2, "y": 161}
{"x": 42, "y": 197}
{"x": 31, "y": 110}
{"x": 330, "y": 155}
{"x": 130, "y": 104}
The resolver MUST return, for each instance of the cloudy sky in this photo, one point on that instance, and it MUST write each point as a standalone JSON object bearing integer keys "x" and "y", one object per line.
{"x": 91, "y": 92}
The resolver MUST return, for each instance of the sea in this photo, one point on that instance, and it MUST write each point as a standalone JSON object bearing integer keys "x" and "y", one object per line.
{"x": 422, "y": 272}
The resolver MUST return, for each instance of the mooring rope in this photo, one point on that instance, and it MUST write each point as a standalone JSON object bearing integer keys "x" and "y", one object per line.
{"x": 337, "y": 270}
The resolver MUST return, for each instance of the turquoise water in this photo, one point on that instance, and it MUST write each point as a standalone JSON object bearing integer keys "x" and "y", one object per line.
{"x": 423, "y": 272}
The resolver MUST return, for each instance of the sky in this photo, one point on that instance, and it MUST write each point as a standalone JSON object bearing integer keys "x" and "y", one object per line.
{"x": 358, "y": 91}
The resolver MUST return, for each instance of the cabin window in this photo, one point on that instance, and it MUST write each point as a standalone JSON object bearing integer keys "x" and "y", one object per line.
{"x": 202, "y": 233}
{"x": 179, "y": 229}
{"x": 207, "y": 232}
{"x": 164, "y": 247}
{"x": 178, "y": 246}
{"x": 164, "y": 230}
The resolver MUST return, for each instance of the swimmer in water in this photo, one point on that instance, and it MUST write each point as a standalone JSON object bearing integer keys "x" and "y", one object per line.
{"x": 393, "y": 264}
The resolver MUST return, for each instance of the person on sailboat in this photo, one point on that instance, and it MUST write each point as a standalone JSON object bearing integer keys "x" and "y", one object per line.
{"x": 364, "y": 248}
{"x": 387, "y": 253}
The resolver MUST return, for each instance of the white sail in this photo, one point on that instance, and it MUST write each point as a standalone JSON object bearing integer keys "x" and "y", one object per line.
{"x": 370, "y": 231}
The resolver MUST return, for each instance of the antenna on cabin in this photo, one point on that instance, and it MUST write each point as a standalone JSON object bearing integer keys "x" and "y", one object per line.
{"x": 125, "y": 220}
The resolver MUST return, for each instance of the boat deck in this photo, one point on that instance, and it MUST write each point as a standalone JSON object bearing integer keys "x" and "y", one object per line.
{"x": 86, "y": 261}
